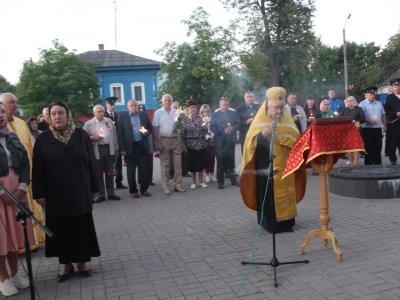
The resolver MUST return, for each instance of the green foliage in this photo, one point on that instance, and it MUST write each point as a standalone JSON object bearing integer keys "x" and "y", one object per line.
{"x": 59, "y": 75}
{"x": 282, "y": 31}
{"x": 6, "y": 86}
{"x": 198, "y": 70}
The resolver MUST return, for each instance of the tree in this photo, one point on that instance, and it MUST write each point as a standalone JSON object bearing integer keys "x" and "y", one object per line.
{"x": 59, "y": 75}
{"x": 277, "y": 28}
{"x": 198, "y": 70}
{"x": 6, "y": 86}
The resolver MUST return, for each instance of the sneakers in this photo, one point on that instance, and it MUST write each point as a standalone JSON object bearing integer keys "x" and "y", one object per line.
{"x": 208, "y": 179}
{"x": 213, "y": 179}
{"x": 193, "y": 186}
{"x": 348, "y": 162}
{"x": 8, "y": 288}
{"x": 20, "y": 282}
{"x": 203, "y": 185}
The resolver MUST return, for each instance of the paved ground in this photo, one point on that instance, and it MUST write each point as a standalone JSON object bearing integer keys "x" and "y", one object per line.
{"x": 190, "y": 245}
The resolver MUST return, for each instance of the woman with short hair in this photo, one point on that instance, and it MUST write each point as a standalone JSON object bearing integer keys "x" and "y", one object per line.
{"x": 193, "y": 135}
{"x": 352, "y": 109}
{"x": 205, "y": 114}
{"x": 33, "y": 128}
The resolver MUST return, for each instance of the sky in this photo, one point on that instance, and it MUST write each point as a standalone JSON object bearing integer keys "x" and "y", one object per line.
{"x": 143, "y": 25}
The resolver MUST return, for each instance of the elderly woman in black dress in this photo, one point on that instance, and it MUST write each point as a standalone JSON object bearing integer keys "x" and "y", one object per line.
{"x": 357, "y": 113}
{"x": 192, "y": 133}
{"x": 64, "y": 180}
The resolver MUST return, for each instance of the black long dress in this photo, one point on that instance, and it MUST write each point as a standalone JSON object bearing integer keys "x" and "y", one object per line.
{"x": 65, "y": 176}
{"x": 269, "y": 217}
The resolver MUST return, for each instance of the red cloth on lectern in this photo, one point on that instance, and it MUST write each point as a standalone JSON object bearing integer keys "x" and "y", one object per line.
{"x": 320, "y": 139}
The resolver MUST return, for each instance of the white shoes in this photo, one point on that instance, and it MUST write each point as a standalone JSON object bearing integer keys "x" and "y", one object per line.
{"x": 204, "y": 185}
{"x": 193, "y": 186}
{"x": 348, "y": 162}
{"x": 8, "y": 288}
{"x": 213, "y": 179}
{"x": 208, "y": 179}
{"x": 20, "y": 282}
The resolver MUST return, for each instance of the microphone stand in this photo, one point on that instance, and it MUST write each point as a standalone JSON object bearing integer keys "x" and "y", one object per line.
{"x": 25, "y": 213}
{"x": 274, "y": 261}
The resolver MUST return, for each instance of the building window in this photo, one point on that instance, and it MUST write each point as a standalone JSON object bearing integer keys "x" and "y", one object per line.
{"x": 138, "y": 92}
{"x": 117, "y": 90}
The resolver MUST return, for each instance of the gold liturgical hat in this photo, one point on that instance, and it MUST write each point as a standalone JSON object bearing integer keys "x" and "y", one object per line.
{"x": 276, "y": 96}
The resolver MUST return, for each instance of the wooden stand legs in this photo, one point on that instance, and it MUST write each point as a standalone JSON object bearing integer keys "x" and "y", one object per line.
{"x": 325, "y": 233}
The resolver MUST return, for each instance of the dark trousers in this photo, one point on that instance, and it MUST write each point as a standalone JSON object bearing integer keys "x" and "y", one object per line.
{"x": 373, "y": 145}
{"x": 184, "y": 165}
{"x": 226, "y": 156}
{"x": 118, "y": 168}
{"x": 393, "y": 130}
{"x": 137, "y": 160}
{"x": 104, "y": 166}
{"x": 149, "y": 157}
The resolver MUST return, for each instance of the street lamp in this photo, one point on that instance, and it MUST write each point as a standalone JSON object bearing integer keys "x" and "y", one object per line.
{"x": 346, "y": 79}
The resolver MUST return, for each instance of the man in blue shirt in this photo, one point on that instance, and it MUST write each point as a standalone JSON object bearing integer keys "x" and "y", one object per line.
{"x": 336, "y": 105}
{"x": 375, "y": 120}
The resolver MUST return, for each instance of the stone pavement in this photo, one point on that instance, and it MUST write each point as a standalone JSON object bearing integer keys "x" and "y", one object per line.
{"x": 190, "y": 245}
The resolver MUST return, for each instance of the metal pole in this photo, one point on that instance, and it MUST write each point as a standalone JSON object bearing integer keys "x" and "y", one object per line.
{"x": 346, "y": 80}
{"x": 115, "y": 25}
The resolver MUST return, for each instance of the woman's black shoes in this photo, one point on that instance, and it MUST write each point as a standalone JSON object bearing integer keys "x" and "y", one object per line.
{"x": 87, "y": 273}
{"x": 63, "y": 277}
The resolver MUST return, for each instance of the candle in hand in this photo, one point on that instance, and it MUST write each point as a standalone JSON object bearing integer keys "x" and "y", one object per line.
{"x": 143, "y": 130}
{"x": 101, "y": 132}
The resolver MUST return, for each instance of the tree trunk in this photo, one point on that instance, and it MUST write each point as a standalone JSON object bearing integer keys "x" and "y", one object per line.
{"x": 274, "y": 68}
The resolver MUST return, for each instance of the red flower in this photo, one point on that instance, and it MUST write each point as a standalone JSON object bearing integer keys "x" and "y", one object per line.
{"x": 111, "y": 174}
{"x": 157, "y": 155}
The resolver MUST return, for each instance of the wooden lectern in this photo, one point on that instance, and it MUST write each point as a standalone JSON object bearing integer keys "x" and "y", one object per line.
{"x": 320, "y": 147}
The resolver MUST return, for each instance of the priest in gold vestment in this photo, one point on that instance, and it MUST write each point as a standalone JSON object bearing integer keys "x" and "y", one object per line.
{"x": 276, "y": 207}
{"x": 20, "y": 128}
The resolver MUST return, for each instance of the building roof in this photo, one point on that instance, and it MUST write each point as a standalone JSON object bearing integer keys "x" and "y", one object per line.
{"x": 115, "y": 58}
{"x": 394, "y": 75}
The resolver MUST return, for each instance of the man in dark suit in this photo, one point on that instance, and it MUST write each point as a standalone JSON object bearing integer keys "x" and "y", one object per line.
{"x": 224, "y": 124}
{"x": 134, "y": 127}
{"x": 392, "y": 109}
{"x": 246, "y": 113}
{"x": 110, "y": 113}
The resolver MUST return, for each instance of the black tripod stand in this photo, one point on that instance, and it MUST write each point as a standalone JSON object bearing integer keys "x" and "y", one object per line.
{"x": 22, "y": 216}
{"x": 274, "y": 261}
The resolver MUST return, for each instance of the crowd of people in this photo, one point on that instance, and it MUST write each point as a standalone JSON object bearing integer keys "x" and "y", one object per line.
{"x": 46, "y": 161}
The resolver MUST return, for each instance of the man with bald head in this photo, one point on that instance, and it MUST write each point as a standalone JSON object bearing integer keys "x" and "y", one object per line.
{"x": 104, "y": 139}
{"x": 20, "y": 128}
{"x": 44, "y": 125}
{"x": 134, "y": 128}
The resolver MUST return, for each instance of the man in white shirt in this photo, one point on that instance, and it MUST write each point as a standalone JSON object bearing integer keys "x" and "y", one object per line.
{"x": 297, "y": 112}
{"x": 168, "y": 143}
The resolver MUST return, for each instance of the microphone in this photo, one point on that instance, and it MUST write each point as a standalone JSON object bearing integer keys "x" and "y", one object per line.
{"x": 274, "y": 123}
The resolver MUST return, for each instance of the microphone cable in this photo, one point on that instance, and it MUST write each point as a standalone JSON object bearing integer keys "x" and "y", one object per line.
{"x": 256, "y": 237}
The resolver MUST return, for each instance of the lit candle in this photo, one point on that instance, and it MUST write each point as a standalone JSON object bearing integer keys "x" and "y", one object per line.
{"x": 204, "y": 122}
{"x": 229, "y": 124}
{"x": 143, "y": 130}
{"x": 101, "y": 132}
